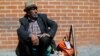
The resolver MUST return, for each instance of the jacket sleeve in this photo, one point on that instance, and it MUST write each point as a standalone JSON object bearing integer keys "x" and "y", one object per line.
{"x": 22, "y": 33}
{"x": 53, "y": 27}
{"x": 49, "y": 23}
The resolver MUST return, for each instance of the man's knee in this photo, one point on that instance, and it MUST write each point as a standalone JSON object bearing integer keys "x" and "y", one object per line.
{"x": 45, "y": 41}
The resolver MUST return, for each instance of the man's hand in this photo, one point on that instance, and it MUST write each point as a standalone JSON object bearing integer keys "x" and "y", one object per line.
{"x": 34, "y": 39}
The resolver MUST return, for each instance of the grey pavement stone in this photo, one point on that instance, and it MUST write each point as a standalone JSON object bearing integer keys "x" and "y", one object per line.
{"x": 82, "y": 51}
{"x": 89, "y": 51}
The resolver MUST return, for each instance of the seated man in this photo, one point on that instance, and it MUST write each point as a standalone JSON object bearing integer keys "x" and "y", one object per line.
{"x": 35, "y": 33}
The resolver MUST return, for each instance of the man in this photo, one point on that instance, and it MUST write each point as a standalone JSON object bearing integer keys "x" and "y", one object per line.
{"x": 35, "y": 33}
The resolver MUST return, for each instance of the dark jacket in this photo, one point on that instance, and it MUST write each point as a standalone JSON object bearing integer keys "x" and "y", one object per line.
{"x": 24, "y": 46}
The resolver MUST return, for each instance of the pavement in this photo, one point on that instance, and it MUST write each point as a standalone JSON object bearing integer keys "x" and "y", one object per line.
{"x": 82, "y": 51}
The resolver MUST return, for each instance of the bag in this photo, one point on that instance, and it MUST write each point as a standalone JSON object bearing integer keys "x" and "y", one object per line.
{"x": 62, "y": 47}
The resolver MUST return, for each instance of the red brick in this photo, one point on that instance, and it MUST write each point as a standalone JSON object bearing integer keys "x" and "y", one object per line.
{"x": 94, "y": 1}
{"x": 21, "y": 7}
{"x": 4, "y": 3}
{"x": 54, "y": 3}
{"x": 77, "y": 3}
{"x": 94, "y": 14}
{"x": 83, "y": 22}
{"x": 6, "y": 34}
{"x": 66, "y": 18}
{"x": 20, "y": 15}
{"x": 61, "y": 7}
{"x": 11, "y": 15}
{"x": 11, "y": 7}
{"x": 88, "y": 18}
{"x": 16, "y": 3}
{"x": 61, "y": 14}
{"x": 39, "y": 3}
{"x": 3, "y": 38}
{"x": 2, "y": 30}
{"x": 43, "y": 10}
{"x": 48, "y": 7}
{"x": 17, "y": 11}
{"x": 97, "y": 4}
{"x": 15, "y": 42}
{"x": 5, "y": 27}
{"x": 83, "y": 14}
{"x": 96, "y": 11}
{"x": 88, "y": 3}
{"x": 87, "y": 25}
{"x": 73, "y": 22}
{"x": 62, "y": 22}
{"x": 66, "y": 3}
{"x": 88, "y": 11}
{"x": 2, "y": 7}
{"x": 72, "y": 7}
{"x": 7, "y": 42}
{"x": 5, "y": 11}
{"x": 3, "y": 47}
{"x": 93, "y": 7}
{"x": 12, "y": 38}
{"x": 77, "y": 18}
{"x": 83, "y": 7}
{"x": 93, "y": 29}
{"x": 2, "y": 15}
{"x": 71, "y": 0}
{"x": 50, "y": 14}
{"x": 54, "y": 17}
{"x": 68, "y": 11}
{"x": 72, "y": 14}
{"x": 40, "y": 7}
{"x": 54, "y": 11}
{"x": 15, "y": 0}
{"x": 84, "y": 0}
{"x": 78, "y": 11}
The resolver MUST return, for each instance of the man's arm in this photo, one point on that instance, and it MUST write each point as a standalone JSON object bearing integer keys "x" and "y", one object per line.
{"x": 25, "y": 35}
{"x": 49, "y": 23}
{"x": 53, "y": 27}
{"x": 22, "y": 33}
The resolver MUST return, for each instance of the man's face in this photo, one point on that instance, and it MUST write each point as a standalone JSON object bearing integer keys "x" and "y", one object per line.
{"x": 33, "y": 14}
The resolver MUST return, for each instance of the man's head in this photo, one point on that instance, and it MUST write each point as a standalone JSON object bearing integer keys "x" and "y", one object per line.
{"x": 28, "y": 8}
{"x": 31, "y": 10}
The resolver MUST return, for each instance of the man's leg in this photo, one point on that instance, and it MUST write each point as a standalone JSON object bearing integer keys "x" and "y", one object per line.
{"x": 35, "y": 51}
{"x": 44, "y": 44}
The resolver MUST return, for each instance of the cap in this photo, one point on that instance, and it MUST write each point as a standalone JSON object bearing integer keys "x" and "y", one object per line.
{"x": 30, "y": 7}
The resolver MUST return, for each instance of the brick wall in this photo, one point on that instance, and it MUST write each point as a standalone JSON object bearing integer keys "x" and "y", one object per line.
{"x": 83, "y": 14}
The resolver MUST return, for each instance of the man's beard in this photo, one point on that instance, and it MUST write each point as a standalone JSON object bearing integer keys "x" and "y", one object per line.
{"x": 33, "y": 16}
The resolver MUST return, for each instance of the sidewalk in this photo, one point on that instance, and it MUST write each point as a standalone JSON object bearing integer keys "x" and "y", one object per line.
{"x": 82, "y": 51}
